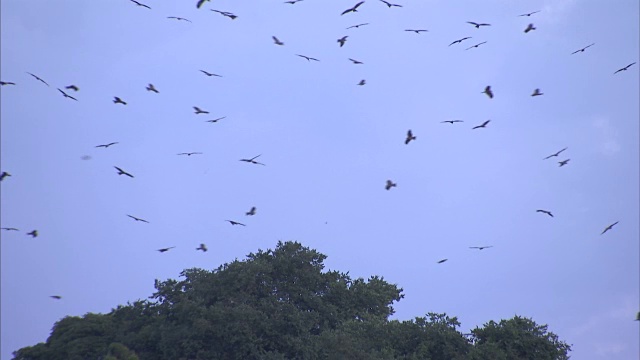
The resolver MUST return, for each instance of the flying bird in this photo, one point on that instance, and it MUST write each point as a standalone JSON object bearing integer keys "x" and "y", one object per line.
{"x": 150, "y": 87}
{"x": 487, "y": 90}
{"x": 202, "y": 247}
{"x": 122, "y": 172}
{"x": 545, "y": 212}
{"x": 390, "y": 4}
{"x": 67, "y": 95}
{"x": 624, "y": 68}
{"x": 251, "y": 212}
{"x": 476, "y": 45}
{"x": 107, "y": 145}
{"x": 117, "y": 100}
{"x": 252, "y": 160}
{"x": 583, "y": 49}
{"x": 389, "y": 185}
{"x": 190, "y": 153}
{"x": 477, "y": 25}
{"x": 353, "y": 9}
{"x": 210, "y": 74}
{"x": 563, "y": 162}
{"x": 480, "y": 247}
{"x": 33, "y": 233}
{"x": 72, "y": 87}
{"x": 137, "y": 218}
{"x": 37, "y": 78}
{"x": 529, "y": 28}
{"x": 57, "y": 297}
{"x": 484, "y": 124}
{"x": 356, "y": 61}
{"x": 308, "y": 58}
{"x": 3, "y": 83}
{"x": 451, "y": 121}
{"x": 199, "y": 111}
{"x": 531, "y": 13}
{"x": 225, "y": 13}
{"x": 235, "y": 223}
{"x": 609, "y": 227}
{"x": 537, "y": 92}
{"x": 342, "y": 40}
{"x": 200, "y": 2}
{"x": 460, "y": 40}
{"x": 362, "y": 82}
{"x": 10, "y": 229}
{"x": 165, "y": 249}
{"x": 4, "y": 175}
{"x": 216, "y": 120}
{"x": 441, "y": 261}
{"x": 357, "y": 26}
{"x": 416, "y": 31}
{"x": 556, "y": 154}
{"x": 410, "y": 137}
{"x": 178, "y": 18}
{"x": 140, "y": 4}
{"x": 276, "y": 41}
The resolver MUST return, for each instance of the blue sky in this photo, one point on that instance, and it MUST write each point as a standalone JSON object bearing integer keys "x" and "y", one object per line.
{"x": 329, "y": 145}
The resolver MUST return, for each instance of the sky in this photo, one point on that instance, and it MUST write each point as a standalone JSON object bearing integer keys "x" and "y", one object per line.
{"x": 328, "y": 147}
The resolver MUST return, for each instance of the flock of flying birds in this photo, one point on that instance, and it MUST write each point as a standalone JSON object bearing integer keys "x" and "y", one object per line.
{"x": 341, "y": 41}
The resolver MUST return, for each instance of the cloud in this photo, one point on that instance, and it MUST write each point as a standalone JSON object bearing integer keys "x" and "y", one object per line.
{"x": 607, "y": 136}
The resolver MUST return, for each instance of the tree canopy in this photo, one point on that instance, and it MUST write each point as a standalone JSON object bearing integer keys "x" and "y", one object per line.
{"x": 281, "y": 304}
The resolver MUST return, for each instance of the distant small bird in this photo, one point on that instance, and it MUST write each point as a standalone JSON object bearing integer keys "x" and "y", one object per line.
{"x": 225, "y": 13}
{"x": 353, "y": 9}
{"x": 252, "y": 160}
{"x": 484, "y": 124}
{"x": 410, "y": 137}
{"x": 362, "y": 82}
{"x": 107, "y": 145}
{"x": 10, "y": 229}
{"x": 4, "y": 175}
{"x": 390, "y": 4}
{"x": 251, "y": 212}
{"x": 3, "y": 83}
{"x": 67, "y": 95}
{"x": 216, "y": 120}
{"x": 529, "y": 28}
{"x": 417, "y": 31}
{"x": 487, "y": 90}
{"x": 537, "y": 92}
{"x": 342, "y": 40}
{"x": 210, "y": 74}
{"x": 150, "y": 87}
{"x": 199, "y": 111}
{"x": 137, "y": 219}
{"x": 476, "y": 45}
{"x": 308, "y": 58}
{"x": 451, "y": 121}
{"x": 140, "y": 4}
{"x": 33, "y": 233}
{"x": 563, "y": 162}
{"x": 235, "y": 223}
{"x": 190, "y": 153}
{"x": 460, "y": 40}
{"x": 200, "y": 2}
{"x": 178, "y": 18}
{"x": 624, "y": 68}
{"x": 477, "y": 25}
{"x": 357, "y": 26}
{"x": 356, "y": 61}
{"x": 117, "y": 100}
{"x": 37, "y": 78}
{"x": 122, "y": 172}
{"x": 57, "y": 297}
{"x": 609, "y": 227}
{"x": 276, "y": 41}
{"x": 292, "y": 2}
{"x": 545, "y": 212}
{"x": 72, "y": 87}
{"x": 531, "y": 13}
{"x": 202, "y": 247}
{"x": 556, "y": 154}
{"x": 480, "y": 247}
{"x": 85, "y": 157}
{"x": 441, "y": 261}
{"x": 583, "y": 49}
{"x": 389, "y": 185}
{"x": 165, "y": 249}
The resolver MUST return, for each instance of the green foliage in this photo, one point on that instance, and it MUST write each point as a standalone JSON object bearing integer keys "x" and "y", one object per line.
{"x": 281, "y": 304}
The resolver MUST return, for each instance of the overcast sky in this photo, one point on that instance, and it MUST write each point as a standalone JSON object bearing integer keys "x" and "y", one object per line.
{"x": 328, "y": 146}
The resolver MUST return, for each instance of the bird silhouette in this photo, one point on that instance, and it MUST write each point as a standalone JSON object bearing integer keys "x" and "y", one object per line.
{"x": 140, "y": 4}
{"x": 556, "y": 154}
{"x": 200, "y": 2}
{"x": 624, "y": 68}
{"x": 225, "y": 13}
{"x": 276, "y": 41}
{"x": 202, "y": 247}
{"x": 477, "y": 25}
{"x": 416, "y": 31}
{"x": 210, "y": 74}
{"x": 292, "y": 2}
{"x": 117, "y": 100}
{"x": 165, "y": 249}
{"x": 137, "y": 218}
{"x": 563, "y": 162}
{"x": 531, "y": 13}
{"x": 178, "y": 18}
{"x": 107, "y": 145}
{"x": 252, "y": 160}
{"x": 441, "y": 261}
{"x": 389, "y": 185}
{"x": 122, "y": 172}
{"x": 38, "y": 78}
{"x": 609, "y": 227}
{"x": 484, "y": 124}
{"x": 199, "y": 111}
{"x": 3, "y": 83}
{"x": 4, "y": 175}
{"x": 410, "y": 137}
{"x": 308, "y": 58}
{"x": 545, "y": 212}
{"x": 583, "y": 49}
{"x": 33, "y": 233}
{"x": 357, "y": 26}
{"x": 150, "y": 87}
{"x": 480, "y": 247}
{"x": 362, "y": 82}
{"x": 57, "y": 297}
{"x": 216, "y": 120}
{"x": 190, "y": 153}
{"x": 487, "y": 90}
{"x": 251, "y": 211}
{"x": 476, "y": 45}
{"x": 451, "y": 121}
{"x": 67, "y": 95}
{"x": 353, "y": 9}
{"x": 356, "y": 61}
{"x": 235, "y": 223}
{"x": 10, "y": 229}
{"x": 529, "y": 28}
{"x": 390, "y": 4}
{"x": 537, "y": 92}
{"x": 342, "y": 40}
{"x": 460, "y": 40}
{"x": 72, "y": 87}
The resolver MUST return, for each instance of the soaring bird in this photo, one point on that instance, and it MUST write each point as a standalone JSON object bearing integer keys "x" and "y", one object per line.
{"x": 556, "y": 154}
{"x": 624, "y": 68}
{"x": 484, "y": 124}
{"x": 487, "y": 90}
{"x": 178, "y": 18}
{"x": 451, "y": 121}
{"x": 476, "y": 45}
{"x": 251, "y": 211}
{"x": 107, "y": 145}
{"x": 537, "y": 92}
{"x": 72, "y": 87}
{"x": 390, "y": 4}
{"x": 140, "y": 4}
{"x": 389, "y": 185}
{"x": 4, "y": 175}
{"x": 308, "y": 58}
{"x": 202, "y": 247}
{"x": 117, "y": 100}
{"x": 3, "y": 83}
{"x": 276, "y": 41}
{"x": 362, "y": 82}
{"x": 37, "y": 78}
{"x": 10, "y": 229}
{"x": 252, "y": 160}
{"x": 416, "y": 31}
{"x": 216, "y": 120}
{"x": 57, "y": 297}
{"x": 199, "y": 111}
{"x": 477, "y": 25}
{"x": 67, "y": 95}
{"x": 210, "y": 74}
{"x": 529, "y": 28}
{"x": 137, "y": 218}
{"x": 342, "y": 40}
{"x": 410, "y": 137}
{"x": 480, "y": 247}
{"x": 583, "y": 49}
{"x": 563, "y": 162}
{"x": 545, "y": 212}
{"x": 292, "y": 2}
{"x": 33, "y": 233}
{"x": 609, "y": 227}
{"x": 357, "y": 26}
{"x": 225, "y": 13}
{"x": 190, "y": 153}
{"x": 531, "y": 13}
{"x": 353, "y": 9}
{"x": 441, "y": 261}
{"x": 200, "y": 2}
{"x": 460, "y": 40}
{"x": 235, "y": 223}
{"x": 356, "y": 61}
{"x": 122, "y": 172}
{"x": 150, "y": 87}
{"x": 165, "y": 249}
